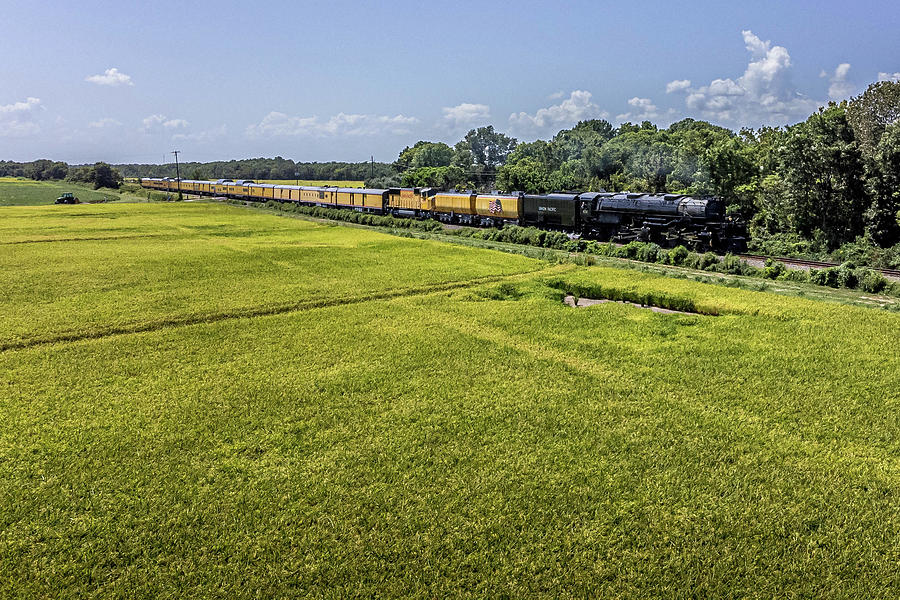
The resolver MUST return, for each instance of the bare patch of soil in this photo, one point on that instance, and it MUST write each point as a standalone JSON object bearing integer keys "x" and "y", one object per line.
{"x": 585, "y": 302}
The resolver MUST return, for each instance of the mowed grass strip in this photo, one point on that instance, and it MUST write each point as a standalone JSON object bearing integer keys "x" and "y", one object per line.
{"x": 482, "y": 442}
{"x": 69, "y": 272}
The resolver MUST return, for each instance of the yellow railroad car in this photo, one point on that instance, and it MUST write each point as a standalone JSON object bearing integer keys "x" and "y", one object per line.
{"x": 454, "y": 203}
{"x": 409, "y": 201}
{"x": 361, "y": 198}
{"x": 260, "y": 191}
{"x": 311, "y": 195}
{"x": 316, "y": 195}
{"x": 282, "y": 193}
{"x": 254, "y": 191}
{"x": 404, "y": 198}
{"x": 344, "y": 197}
{"x": 294, "y": 192}
{"x": 323, "y": 195}
{"x": 220, "y": 187}
{"x": 491, "y": 207}
{"x": 373, "y": 199}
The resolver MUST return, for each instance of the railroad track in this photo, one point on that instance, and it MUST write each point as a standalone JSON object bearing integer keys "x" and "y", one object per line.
{"x": 812, "y": 264}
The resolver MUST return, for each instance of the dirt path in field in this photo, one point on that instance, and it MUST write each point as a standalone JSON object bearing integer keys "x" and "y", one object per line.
{"x": 585, "y": 302}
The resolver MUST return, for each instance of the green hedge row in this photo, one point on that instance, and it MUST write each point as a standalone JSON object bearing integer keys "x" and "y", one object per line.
{"x": 847, "y": 275}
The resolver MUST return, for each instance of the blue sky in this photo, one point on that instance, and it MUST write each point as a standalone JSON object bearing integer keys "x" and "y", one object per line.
{"x": 125, "y": 82}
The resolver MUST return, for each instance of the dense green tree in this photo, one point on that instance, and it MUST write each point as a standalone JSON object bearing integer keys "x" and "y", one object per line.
{"x": 99, "y": 174}
{"x": 44, "y": 169}
{"x": 488, "y": 148}
{"x": 574, "y": 175}
{"x": 106, "y": 176}
{"x": 433, "y": 155}
{"x": 444, "y": 177}
{"x": 538, "y": 150}
{"x": 730, "y": 165}
{"x": 871, "y": 113}
{"x": 384, "y": 182}
{"x": 575, "y": 143}
{"x": 883, "y": 215}
{"x": 652, "y": 161}
{"x": 775, "y": 213}
{"x": 425, "y": 154}
{"x": 822, "y": 169}
{"x": 526, "y": 175}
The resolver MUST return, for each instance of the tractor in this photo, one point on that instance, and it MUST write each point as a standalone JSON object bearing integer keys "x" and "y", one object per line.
{"x": 67, "y": 198}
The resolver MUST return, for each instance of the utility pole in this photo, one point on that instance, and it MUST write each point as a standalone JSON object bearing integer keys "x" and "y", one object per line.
{"x": 297, "y": 175}
{"x": 177, "y": 172}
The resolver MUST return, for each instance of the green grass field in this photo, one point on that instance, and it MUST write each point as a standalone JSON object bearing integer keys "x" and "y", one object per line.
{"x": 27, "y": 192}
{"x": 201, "y": 400}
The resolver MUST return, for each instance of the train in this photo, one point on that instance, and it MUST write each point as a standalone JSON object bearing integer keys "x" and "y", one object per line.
{"x": 666, "y": 219}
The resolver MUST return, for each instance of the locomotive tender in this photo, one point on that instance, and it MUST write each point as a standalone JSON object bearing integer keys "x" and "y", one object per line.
{"x": 667, "y": 219}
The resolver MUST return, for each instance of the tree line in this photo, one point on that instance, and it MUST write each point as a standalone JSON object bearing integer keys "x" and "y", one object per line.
{"x": 100, "y": 175}
{"x": 263, "y": 168}
{"x": 251, "y": 168}
{"x": 813, "y": 186}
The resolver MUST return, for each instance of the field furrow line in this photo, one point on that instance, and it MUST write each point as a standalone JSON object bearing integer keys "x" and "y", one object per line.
{"x": 101, "y": 238}
{"x": 255, "y": 311}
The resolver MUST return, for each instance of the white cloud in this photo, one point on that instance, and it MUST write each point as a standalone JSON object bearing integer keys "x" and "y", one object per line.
{"x": 111, "y": 77}
{"x": 161, "y": 124}
{"x": 19, "y": 118}
{"x": 577, "y": 107}
{"x": 280, "y": 124}
{"x": 642, "y": 109}
{"x": 840, "y": 88}
{"x": 101, "y": 123}
{"x": 466, "y": 114}
{"x": 679, "y": 85}
{"x": 895, "y": 77}
{"x": 28, "y": 106}
{"x": 763, "y": 95}
{"x": 556, "y": 95}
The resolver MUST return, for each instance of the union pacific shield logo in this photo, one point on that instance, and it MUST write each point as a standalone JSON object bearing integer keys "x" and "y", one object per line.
{"x": 495, "y": 207}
